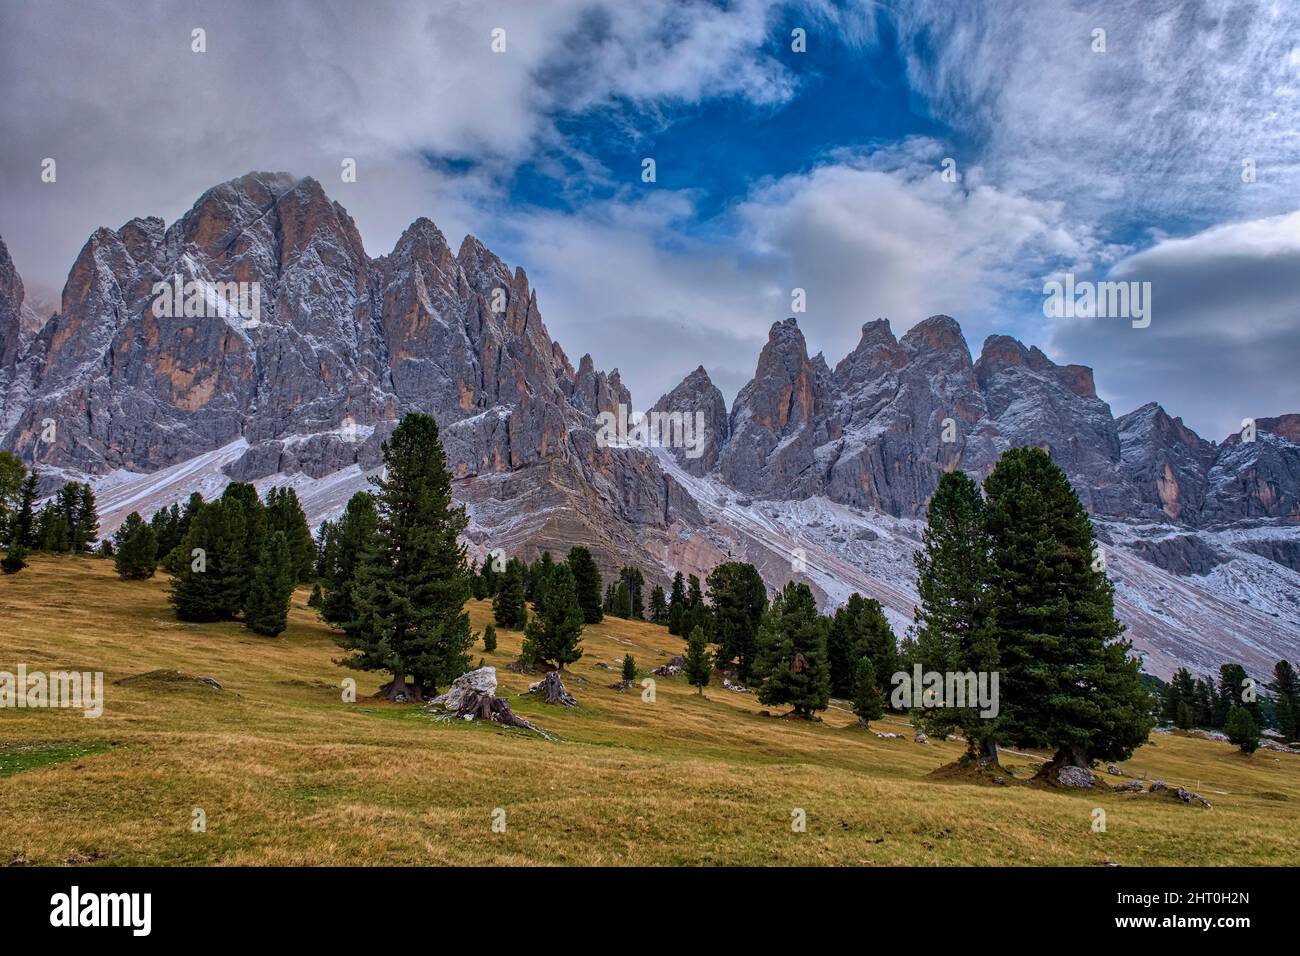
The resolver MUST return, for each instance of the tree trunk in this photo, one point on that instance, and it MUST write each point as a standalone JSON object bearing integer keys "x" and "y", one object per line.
{"x": 1072, "y": 755}
{"x": 989, "y": 751}
{"x": 552, "y": 690}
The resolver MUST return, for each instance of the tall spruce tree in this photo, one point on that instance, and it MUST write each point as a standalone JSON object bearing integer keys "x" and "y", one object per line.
{"x": 1068, "y": 681}
{"x": 85, "y": 523}
{"x": 1242, "y": 729}
{"x": 954, "y": 629}
{"x": 12, "y": 475}
{"x": 1236, "y": 689}
{"x": 284, "y": 513}
{"x": 677, "y": 605}
{"x": 509, "y": 607}
{"x": 1286, "y": 687}
{"x": 868, "y": 699}
{"x": 135, "y": 547}
{"x": 792, "y": 653}
{"x": 1180, "y": 699}
{"x": 658, "y": 605}
{"x": 269, "y": 594}
{"x": 255, "y": 528}
{"x": 860, "y": 629}
{"x": 210, "y": 582}
{"x": 635, "y": 582}
{"x": 739, "y": 599}
{"x": 586, "y": 578}
{"x": 412, "y": 582}
{"x": 622, "y": 600}
{"x": 699, "y": 660}
{"x": 25, "y": 522}
{"x": 697, "y": 611}
{"x": 555, "y": 633}
{"x": 343, "y": 545}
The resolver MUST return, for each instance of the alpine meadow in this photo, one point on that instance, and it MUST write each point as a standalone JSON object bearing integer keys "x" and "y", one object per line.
{"x": 954, "y": 526}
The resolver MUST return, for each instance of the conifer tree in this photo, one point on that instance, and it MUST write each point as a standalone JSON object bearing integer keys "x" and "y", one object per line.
{"x": 622, "y": 600}
{"x": 316, "y": 599}
{"x": 85, "y": 523}
{"x": 699, "y": 660}
{"x": 53, "y": 529}
{"x": 412, "y": 582}
{"x": 166, "y": 524}
{"x": 629, "y": 668}
{"x": 739, "y": 598}
{"x": 792, "y": 653}
{"x": 586, "y": 578}
{"x": 1068, "y": 681}
{"x": 677, "y": 605}
{"x": 554, "y": 634}
{"x": 1286, "y": 685}
{"x": 1233, "y": 683}
{"x": 210, "y": 582}
{"x": 489, "y": 637}
{"x": 269, "y": 594}
{"x": 860, "y": 629}
{"x": 635, "y": 584}
{"x": 342, "y": 547}
{"x": 25, "y": 522}
{"x": 284, "y": 513}
{"x": 136, "y": 547}
{"x": 697, "y": 610}
{"x": 1242, "y": 730}
{"x": 12, "y": 475}
{"x": 489, "y": 576}
{"x": 15, "y": 558}
{"x": 477, "y": 586}
{"x": 509, "y": 608}
{"x": 1180, "y": 699}
{"x": 255, "y": 529}
{"x": 658, "y": 605}
{"x": 868, "y": 701}
{"x": 954, "y": 627}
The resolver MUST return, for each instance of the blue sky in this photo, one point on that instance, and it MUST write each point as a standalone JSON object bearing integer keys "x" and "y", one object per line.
{"x": 775, "y": 169}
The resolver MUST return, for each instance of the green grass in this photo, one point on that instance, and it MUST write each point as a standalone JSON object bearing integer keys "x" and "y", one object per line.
{"x": 287, "y": 773}
{"x": 15, "y": 758}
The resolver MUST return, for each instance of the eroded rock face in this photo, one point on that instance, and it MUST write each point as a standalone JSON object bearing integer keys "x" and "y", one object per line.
{"x": 1182, "y": 554}
{"x": 1257, "y": 479}
{"x": 780, "y": 419}
{"x": 895, "y": 415}
{"x": 1166, "y": 462}
{"x": 696, "y": 395}
{"x": 343, "y": 346}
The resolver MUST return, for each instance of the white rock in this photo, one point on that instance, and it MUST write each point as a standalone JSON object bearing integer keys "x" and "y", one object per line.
{"x": 483, "y": 680}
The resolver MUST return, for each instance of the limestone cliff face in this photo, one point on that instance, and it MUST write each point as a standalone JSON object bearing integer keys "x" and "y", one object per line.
{"x": 880, "y": 431}
{"x": 342, "y": 346}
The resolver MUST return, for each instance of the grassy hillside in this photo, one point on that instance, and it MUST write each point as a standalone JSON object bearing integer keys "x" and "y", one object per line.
{"x": 287, "y": 773}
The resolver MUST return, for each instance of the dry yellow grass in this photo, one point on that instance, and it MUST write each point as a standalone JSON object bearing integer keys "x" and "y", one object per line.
{"x": 287, "y": 773}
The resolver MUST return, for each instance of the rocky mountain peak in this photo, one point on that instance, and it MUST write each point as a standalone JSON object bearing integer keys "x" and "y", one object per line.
{"x": 1002, "y": 352}
{"x": 938, "y": 333}
{"x": 697, "y": 397}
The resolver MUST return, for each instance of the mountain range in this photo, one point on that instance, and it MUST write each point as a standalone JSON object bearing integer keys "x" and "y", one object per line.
{"x": 814, "y": 472}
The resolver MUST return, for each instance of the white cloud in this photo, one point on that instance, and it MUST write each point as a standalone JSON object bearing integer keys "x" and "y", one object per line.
{"x": 139, "y": 124}
{"x": 1224, "y": 339}
{"x": 864, "y": 237}
{"x": 1158, "y": 123}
